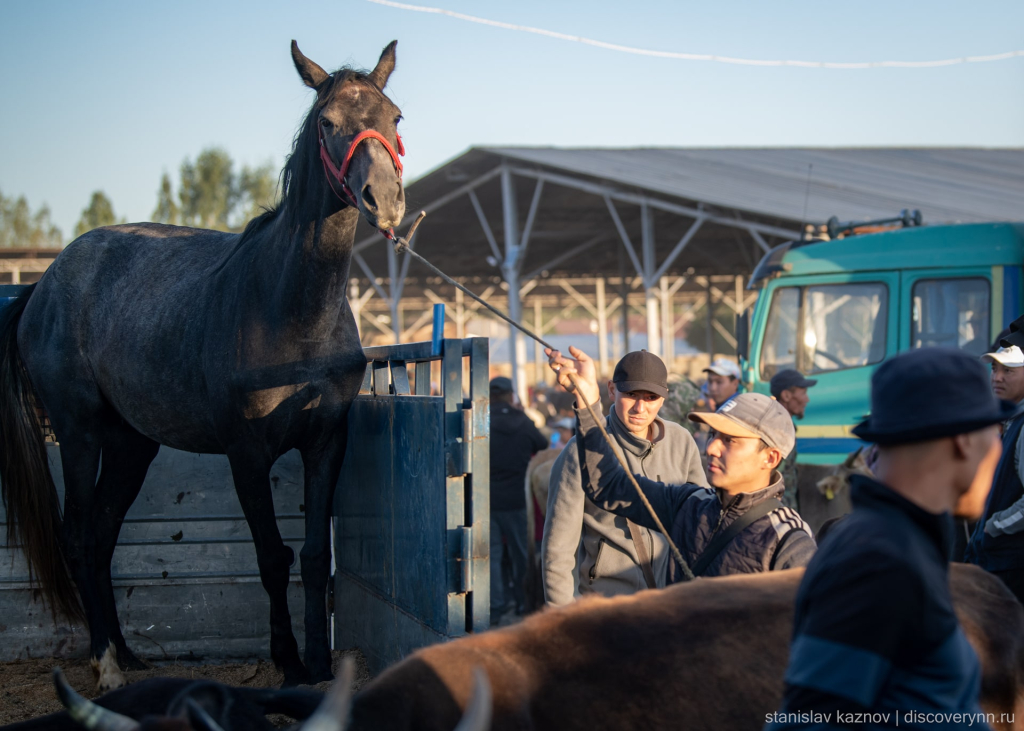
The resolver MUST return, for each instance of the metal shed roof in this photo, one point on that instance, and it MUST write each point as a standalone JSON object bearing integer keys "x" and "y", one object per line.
{"x": 652, "y": 214}
{"x": 947, "y": 184}
{"x": 768, "y": 193}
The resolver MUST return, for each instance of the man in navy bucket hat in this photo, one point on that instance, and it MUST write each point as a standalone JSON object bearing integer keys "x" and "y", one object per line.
{"x": 874, "y": 628}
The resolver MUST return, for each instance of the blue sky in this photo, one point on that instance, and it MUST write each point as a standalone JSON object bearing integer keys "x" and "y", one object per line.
{"x": 109, "y": 95}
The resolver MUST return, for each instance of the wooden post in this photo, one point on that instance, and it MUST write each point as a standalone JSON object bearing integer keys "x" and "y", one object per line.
{"x": 355, "y": 305}
{"x": 667, "y": 324}
{"x": 624, "y": 292}
{"x": 711, "y": 319}
{"x": 460, "y": 314}
{"x": 602, "y": 330}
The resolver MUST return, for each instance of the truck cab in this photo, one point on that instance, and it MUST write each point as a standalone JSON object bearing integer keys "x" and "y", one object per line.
{"x": 834, "y": 310}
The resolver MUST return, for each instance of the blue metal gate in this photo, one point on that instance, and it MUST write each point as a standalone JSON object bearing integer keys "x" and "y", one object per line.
{"x": 413, "y": 503}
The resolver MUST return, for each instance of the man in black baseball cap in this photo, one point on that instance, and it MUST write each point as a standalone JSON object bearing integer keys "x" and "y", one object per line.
{"x": 740, "y": 526}
{"x": 874, "y": 628}
{"x": 589, "y": 550}
{"x": 789, "y": 388}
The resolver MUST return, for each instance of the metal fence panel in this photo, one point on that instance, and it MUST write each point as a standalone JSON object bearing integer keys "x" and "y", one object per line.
{"x": 412, "y": 520}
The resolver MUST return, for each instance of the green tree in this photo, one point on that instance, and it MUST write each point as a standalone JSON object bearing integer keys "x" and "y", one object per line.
{"x": 21, "y": 228}
{"x": 212, "y": 195}
{"x": 166, "y": 210}
{"x": 257, "y": 189}
{"x": 99, "y": 212}
{"x": 208, "y": 191}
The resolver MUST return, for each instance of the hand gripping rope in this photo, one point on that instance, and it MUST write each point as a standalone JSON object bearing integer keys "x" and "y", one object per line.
{"x": 402, "y": 246}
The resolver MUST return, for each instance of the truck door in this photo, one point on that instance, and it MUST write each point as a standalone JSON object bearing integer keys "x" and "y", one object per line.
{"x": 836, "y": 329}
{"x": 953, "y": 308}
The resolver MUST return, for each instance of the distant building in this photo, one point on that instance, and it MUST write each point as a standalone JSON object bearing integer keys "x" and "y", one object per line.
{"x": 24, "y": 266}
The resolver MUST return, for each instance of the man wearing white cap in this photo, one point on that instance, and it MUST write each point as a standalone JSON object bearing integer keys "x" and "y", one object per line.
{"x": 998, "y": 541}
{"x": 723, "y": 382}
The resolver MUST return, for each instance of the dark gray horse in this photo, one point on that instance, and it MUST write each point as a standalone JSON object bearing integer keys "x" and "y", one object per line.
{"x": 141, "y": 335}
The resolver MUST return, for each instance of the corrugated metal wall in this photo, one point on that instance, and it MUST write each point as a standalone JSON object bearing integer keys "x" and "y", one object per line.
{"x": 185, "y": 575}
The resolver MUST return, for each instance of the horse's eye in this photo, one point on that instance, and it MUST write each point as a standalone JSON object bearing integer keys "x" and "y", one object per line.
{"x": 398, "y": 119}
{"x": 325, "y": 123}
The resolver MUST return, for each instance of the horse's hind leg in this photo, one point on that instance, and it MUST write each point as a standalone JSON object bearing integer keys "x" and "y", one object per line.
{"x": 127, "y": 455}
{"x": 251, "y": 473}
{"x": 80, "y": 449}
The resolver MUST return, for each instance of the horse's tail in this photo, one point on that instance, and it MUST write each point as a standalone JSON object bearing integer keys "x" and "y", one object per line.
{"x": 29, "y": 495}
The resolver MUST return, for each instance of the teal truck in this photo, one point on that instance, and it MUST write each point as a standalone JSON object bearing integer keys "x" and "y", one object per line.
{"x": 836, "y": 309}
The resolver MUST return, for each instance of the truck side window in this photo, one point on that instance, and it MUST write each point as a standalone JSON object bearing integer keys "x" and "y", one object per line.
{"x": 844, "y": 326}
{"x": 779, "y": 349}
{"x": 953, "y": 313}
{"x": 825, "y": 327}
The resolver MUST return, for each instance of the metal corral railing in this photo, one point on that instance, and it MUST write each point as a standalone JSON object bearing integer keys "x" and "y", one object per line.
{"x": 412, "y": 510}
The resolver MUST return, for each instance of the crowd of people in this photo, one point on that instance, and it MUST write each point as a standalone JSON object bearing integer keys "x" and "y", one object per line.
{"x": 874, "y": 627}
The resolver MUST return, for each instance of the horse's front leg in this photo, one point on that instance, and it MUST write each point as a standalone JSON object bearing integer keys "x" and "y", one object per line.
{"x": 251, "y": 473}
{"x": 321, "y": 469}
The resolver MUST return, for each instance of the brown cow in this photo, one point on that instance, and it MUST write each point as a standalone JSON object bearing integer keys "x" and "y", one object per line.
{"x": 704, "y": 655}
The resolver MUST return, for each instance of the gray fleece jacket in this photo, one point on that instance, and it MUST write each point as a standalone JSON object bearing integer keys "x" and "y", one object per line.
{"x": 587, "y": 549}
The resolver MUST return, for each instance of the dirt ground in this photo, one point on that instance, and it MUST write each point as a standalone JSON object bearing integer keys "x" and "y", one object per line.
{"x": 26, "y": 688}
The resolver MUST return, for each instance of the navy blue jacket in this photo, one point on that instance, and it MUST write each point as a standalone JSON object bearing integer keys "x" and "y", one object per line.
{"x": 1005, "y": 552}
{"x": 874, "y": 629}
{"x": 693, "y": 515}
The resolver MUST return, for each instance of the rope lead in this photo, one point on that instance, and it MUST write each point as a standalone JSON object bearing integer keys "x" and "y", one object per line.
{"x": 402, "y": 246}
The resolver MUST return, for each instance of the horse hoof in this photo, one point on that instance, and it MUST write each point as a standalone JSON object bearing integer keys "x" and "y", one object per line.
{"x": 108, "y": 674}
{"x": 296, "y": 676}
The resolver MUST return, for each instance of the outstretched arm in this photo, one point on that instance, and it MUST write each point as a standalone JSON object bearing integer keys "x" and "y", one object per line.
{"x": 606, "y": 483}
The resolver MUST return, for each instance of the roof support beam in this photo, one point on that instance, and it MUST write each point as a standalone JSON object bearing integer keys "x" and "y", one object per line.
{"x": 524, "y": 242}
{"x": 433, "y": 205}
{"x": 371, "y": 276}
{"x": 624, "y": 236}
{"x": 674, "y": 254}
{"x": 485, "y": 226}
{"x": 610, "y": 192}
{"x": 760, "y": 241}
{"x": 564, "y": 256}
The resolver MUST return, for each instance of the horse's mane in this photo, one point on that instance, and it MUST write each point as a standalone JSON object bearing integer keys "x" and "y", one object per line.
{"x": 302, "y": 176}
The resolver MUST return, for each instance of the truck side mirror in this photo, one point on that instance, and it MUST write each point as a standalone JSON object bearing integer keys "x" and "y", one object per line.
{"x": 743, "y": 336}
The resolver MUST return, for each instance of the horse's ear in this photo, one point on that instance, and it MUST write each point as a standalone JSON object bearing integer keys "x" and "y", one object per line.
{"x": 311, "y": 74}
{"x": 379, "y": 76}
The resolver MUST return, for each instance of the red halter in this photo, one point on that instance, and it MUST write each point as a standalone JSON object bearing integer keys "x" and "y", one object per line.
{"x": 330, "y": 170}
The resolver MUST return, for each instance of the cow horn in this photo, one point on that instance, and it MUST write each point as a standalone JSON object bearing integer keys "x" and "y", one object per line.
{"x": 332, "y": 714}
{"x": 478, "y": 712}
{"x": 86, "y": 713}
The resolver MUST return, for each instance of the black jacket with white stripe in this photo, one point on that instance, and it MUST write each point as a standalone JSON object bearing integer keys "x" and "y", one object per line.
{"x": 694, "y": 515}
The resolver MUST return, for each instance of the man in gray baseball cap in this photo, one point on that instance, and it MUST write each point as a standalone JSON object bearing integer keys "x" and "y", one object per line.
{"x": 738, "y": 526}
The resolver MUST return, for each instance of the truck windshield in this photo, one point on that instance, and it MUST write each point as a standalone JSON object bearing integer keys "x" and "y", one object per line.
{"x": 951, "y": 313}
{"x": 825, "y": 327}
